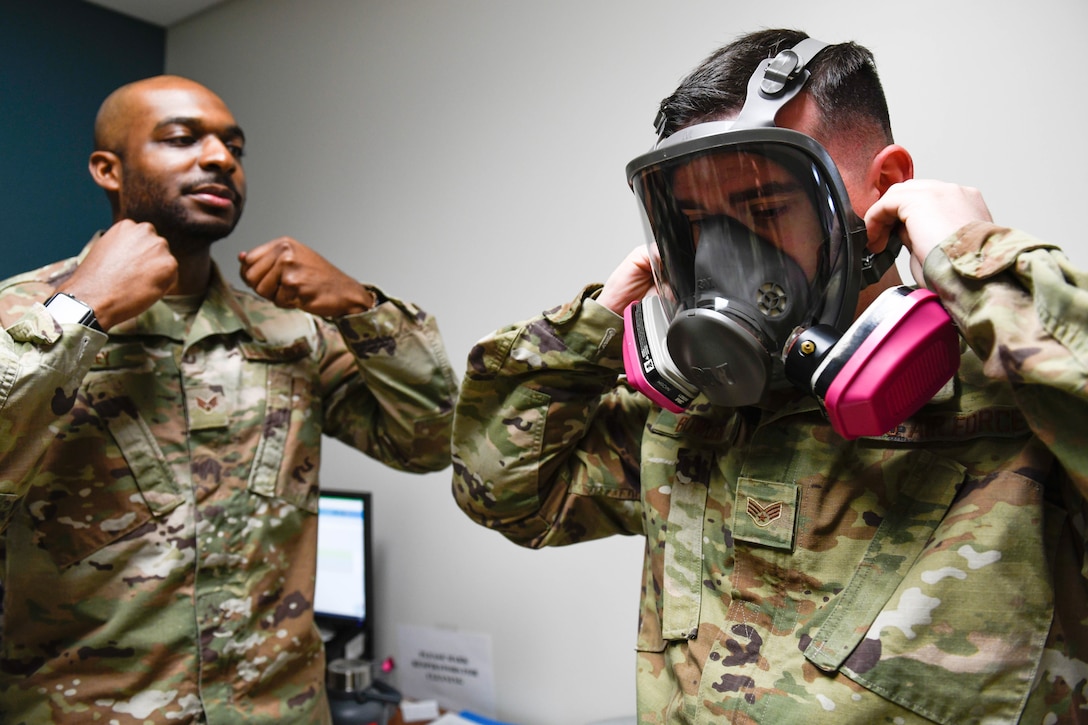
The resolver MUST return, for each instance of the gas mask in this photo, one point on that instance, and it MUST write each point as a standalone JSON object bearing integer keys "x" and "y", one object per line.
{"x": 758, "y": 259}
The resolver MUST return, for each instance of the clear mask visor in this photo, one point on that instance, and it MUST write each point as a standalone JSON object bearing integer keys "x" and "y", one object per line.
{"x": 758, "y": 230}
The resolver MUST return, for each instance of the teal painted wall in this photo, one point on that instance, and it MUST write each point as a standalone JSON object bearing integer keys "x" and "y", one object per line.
{"x": 58, "y": 60}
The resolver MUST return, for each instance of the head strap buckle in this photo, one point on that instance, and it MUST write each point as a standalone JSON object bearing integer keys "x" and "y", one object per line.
{"x": 780, "y": 71}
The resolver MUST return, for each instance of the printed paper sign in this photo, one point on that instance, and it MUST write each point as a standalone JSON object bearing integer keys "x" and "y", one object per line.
{"x": 451, "y": 667}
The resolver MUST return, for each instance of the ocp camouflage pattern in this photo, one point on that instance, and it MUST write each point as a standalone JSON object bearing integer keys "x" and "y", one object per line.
{"x": 933, "y": 574}
{"x": 158, "y": 493}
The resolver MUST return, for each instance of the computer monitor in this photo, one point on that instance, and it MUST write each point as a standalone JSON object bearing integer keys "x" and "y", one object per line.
{"x": 343, "y": 600}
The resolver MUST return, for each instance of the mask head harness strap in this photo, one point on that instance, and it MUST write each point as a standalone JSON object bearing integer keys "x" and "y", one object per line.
{"x": 776, "y": 81}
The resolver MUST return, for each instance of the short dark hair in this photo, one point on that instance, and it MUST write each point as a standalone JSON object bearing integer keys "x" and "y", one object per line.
{"x": 843, "y": 83}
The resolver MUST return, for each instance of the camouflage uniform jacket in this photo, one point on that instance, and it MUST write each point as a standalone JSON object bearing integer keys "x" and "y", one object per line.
{"x": 935, "y": 574}
{"x": 158, "y": 494}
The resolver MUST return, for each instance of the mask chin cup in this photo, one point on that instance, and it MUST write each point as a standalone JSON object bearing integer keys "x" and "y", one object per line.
{"x": 895, "y": 357}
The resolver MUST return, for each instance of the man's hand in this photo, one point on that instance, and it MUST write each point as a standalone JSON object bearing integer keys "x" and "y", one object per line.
{"x": 291, "y": 275}
{"x": 128, "y": 269}
{"x": 629, "y": 282}
{"x": 930, "y": 212}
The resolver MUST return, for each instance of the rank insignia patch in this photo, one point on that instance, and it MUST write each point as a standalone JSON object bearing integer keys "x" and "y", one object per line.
{"x": 766, "y": 512}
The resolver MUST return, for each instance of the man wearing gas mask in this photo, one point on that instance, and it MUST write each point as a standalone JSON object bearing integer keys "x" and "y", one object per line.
{"x": 863, "y": 501}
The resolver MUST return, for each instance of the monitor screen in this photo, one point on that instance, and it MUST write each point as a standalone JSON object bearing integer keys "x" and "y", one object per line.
{"x": 342, "y": 593}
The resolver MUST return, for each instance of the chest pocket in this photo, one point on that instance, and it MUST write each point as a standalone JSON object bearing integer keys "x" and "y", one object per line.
{"x": 288, "y": 452}
{"x": 108, "y": 477}
{"x": 944, "y": 605}
{"x": 899, "y": 540}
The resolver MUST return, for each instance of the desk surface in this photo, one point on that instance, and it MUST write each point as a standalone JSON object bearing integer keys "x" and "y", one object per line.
{"x": 398, "y": 719}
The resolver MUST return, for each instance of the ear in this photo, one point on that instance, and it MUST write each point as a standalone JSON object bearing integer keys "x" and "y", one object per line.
{"x": 892, "y": 165}
{"x": 105, "y": 168}
{"x": 889, "y": 167}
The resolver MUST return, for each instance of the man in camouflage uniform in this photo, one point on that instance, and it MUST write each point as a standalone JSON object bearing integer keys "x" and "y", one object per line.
{"x": 158, "y": 484}
{"x": 932, "y": 574}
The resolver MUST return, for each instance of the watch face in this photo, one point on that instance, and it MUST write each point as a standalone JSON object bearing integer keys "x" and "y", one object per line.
{"x": 65, "y": 308}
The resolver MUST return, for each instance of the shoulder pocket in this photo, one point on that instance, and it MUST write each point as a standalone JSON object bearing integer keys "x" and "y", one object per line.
{"x": 677, "y": 463}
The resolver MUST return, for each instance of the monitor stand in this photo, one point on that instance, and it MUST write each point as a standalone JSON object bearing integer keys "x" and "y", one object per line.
{"x": 343, "y": 641}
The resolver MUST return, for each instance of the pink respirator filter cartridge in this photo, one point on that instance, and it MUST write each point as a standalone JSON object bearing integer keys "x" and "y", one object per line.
{"x": 897, "y": 356}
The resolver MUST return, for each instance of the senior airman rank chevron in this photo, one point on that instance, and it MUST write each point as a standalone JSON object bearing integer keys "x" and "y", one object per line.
{"x": 764, "y": 514}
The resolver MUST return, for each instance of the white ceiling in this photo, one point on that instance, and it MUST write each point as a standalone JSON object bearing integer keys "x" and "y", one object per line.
{"x": 159, "y": 12}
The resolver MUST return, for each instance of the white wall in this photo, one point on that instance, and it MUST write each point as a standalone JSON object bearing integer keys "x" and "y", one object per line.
{"x": 469, "y": 155}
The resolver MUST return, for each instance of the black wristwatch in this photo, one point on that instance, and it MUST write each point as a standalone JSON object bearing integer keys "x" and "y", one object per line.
{"x": 66, "y": 308}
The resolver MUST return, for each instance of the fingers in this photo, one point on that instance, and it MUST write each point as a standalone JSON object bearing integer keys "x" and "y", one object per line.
{"x": 291, "y": 275}
{"x": 271, "y": 270}
{"x": 630, "y": 281}
{"x": 930, "y": 212}
{"x": 881, "y": 218}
